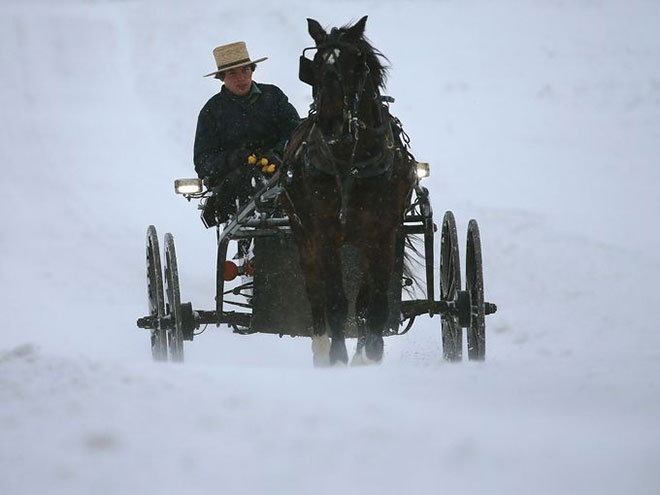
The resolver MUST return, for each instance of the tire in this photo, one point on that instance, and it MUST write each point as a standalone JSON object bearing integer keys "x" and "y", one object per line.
{"x": 450, "y": 284}
{"x": 155, "y": 296}
{"x": 173, "y": 306}
{"x": 474, "y": 280}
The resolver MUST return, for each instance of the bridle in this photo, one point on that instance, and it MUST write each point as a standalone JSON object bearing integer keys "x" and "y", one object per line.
{"x": 351, "y": 102}
{"x": 345, "y": 171}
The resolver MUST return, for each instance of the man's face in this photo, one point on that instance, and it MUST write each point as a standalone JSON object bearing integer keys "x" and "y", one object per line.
{"x": 239, "y": 80}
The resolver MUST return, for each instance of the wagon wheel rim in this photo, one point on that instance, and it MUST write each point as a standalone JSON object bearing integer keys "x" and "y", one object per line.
{"x": 155, "y": 295}
{"x": 475, "y": 286}
{"x": 450, "y": 284}
{"x": 173, "y": 298}
{"x": 452, "y": 339}
{"x": 450, "y": 269}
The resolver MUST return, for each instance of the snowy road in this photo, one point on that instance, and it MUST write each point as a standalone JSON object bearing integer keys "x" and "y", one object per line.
{"x": 541, "y": 119}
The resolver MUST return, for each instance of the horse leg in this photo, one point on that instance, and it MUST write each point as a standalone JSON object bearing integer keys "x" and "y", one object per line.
{"x": 372, "y": 304}
{"x": 377, "y": 315}
{"x": 315, "y": 294}
{"x": 320, "y": 261}
{"x": 361, "y": 305}
{"x": 336, "y": 303}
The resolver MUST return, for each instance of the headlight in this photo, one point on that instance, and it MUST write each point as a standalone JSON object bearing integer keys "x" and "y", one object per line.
{"x": 188, "y": 186}
{"x": 423, "y": 170}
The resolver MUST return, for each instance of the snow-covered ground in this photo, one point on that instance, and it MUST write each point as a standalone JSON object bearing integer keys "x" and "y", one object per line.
{"x": 540, "y": 118}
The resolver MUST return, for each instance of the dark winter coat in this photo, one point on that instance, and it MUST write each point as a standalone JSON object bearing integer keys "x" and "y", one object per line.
{"x": 231, "y": 127}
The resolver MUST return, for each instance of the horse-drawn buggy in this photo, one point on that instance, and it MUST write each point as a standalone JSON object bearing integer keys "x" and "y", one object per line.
{"x": 325, "y": 246}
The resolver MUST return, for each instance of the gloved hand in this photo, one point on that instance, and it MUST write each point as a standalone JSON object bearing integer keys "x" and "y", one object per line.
{"x": 266, "y": 161}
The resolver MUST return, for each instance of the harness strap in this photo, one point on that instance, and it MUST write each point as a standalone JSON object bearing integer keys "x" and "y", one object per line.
{"x": 374, "y": 166}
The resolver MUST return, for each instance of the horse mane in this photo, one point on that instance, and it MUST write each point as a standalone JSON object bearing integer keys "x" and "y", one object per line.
{"x": 377, "y": 69}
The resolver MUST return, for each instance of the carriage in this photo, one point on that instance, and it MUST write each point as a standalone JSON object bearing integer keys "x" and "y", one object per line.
{"x": 262, "y": 290}
{"x": 324, "y": 251}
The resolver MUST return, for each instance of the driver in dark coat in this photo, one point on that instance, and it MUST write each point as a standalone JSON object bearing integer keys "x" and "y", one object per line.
{"x": 245, "y": 125}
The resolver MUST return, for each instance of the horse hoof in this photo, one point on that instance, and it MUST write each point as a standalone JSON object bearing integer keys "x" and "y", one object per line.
{"x": 360, "y": 358}
{"x": 373, "y": 349}
{"x": 321, "y": 351}
{"x": 338, "y": 353}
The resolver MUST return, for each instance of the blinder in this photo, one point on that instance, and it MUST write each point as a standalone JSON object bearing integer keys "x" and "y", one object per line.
{"x": 306, "y": 68}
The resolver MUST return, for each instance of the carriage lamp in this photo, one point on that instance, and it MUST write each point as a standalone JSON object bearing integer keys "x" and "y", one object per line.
{"x": 423, "y": 170}
{"x": 188, "y": 186}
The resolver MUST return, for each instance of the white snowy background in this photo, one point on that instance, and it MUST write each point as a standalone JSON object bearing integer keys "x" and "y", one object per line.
{"x": 540, "y": 118}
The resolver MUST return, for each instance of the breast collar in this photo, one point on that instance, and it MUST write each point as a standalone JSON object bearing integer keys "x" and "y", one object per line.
{"x": 318, "y": 155}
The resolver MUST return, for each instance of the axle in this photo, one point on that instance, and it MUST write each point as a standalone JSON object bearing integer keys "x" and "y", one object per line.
{"x": 198, "y": 319}
{"x": 192, "y": 320}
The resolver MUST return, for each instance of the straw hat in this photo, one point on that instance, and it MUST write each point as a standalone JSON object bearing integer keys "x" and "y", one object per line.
{"x": 231, "y": 56}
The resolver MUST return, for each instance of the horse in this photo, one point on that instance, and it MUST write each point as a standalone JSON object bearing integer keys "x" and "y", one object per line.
{"x": 347, "y": 179}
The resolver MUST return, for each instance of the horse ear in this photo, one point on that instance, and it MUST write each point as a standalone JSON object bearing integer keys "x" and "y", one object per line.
{"x": 357, "y": 31}
{"x": 317, "y": 33}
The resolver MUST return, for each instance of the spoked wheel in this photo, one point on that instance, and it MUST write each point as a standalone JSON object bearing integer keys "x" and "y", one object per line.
{"x": 173, "y": 306}
{"x": 155, "y": 297}
{"x": 450, "y": 284}
{"x": 475, "y": 286}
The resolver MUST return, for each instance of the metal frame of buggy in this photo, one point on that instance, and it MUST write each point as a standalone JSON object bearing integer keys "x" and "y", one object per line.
{"x": 171, "y": 322}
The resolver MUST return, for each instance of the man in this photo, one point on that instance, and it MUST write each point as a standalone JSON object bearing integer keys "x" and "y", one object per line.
{"x": 244, "y": 126}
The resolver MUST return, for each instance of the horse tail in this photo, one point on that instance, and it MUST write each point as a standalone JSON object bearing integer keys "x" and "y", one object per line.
{"x": 412, "y": 262}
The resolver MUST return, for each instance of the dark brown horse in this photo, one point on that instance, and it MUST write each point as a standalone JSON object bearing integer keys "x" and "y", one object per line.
{"x": 348, "y": 180}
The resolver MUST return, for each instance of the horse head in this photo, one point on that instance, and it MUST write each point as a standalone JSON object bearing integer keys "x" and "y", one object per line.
{"x": 345, "y": 73}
